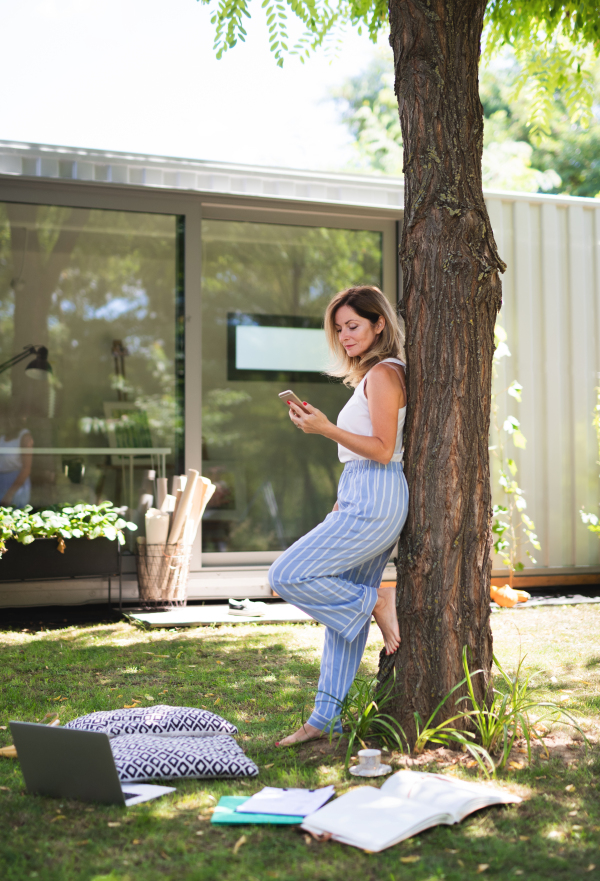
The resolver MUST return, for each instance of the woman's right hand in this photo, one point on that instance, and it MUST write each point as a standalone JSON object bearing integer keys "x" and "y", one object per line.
{"x": 310, "y": 420}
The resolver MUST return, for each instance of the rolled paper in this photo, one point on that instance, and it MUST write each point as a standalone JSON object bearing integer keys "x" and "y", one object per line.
{"x": 195, "y": 515}
{"x": 176, "y": 483}
{"x": 162, "y": 488}
{"x": 183, "y": 509}
{"x": 210, "y": 491}
{"x": 168, "y": 503}
{"x": 157, "y": 527}
{"x": 178, "y": 495}
{"x": 208, "y": 494}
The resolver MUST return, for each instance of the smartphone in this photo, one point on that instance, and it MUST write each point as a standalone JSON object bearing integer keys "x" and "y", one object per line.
{"x": 290, "y": 396}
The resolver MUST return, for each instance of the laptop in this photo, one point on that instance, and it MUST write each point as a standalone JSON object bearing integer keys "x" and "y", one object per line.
{"x": 64, "y": 763}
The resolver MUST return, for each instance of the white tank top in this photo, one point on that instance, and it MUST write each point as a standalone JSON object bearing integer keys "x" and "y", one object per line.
{"x": 11, "y": 461}
{"x": 355, "y": 417}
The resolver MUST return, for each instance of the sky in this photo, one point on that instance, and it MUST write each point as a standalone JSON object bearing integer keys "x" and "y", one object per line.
{"x": 141, "y": 76}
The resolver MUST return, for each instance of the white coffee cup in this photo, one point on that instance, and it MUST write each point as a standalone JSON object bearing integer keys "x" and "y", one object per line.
{"x": 370, "y": 759}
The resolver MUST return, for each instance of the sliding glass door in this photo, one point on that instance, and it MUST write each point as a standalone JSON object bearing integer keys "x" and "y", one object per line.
{"x": 264, "y": 291}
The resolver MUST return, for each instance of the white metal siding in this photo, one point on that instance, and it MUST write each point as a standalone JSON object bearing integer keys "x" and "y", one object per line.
{"x": 551, "y": 295}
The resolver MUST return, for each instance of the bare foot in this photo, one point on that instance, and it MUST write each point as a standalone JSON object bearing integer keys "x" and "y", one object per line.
{"x": 387, "y": 619}
{"x": 307, "y": 732}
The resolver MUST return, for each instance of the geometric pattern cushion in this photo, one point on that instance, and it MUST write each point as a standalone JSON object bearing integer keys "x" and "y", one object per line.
{"x": 141, "y": 757}
{"x": 161, "y": 719}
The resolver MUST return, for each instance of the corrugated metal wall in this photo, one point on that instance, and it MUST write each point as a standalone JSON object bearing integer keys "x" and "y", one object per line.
{"x": 551, "y": 313}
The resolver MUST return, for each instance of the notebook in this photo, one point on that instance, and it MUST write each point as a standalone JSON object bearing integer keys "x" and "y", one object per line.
{"x": 293, "y": 802}
{"x": 226, "y": 813}
{"x": 406, "y": 804}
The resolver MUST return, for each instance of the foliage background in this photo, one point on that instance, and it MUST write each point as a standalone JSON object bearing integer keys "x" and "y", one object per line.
{"x": 563, "y": 158}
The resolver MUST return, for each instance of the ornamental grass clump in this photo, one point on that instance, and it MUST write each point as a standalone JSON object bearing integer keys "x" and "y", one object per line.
{"x": 361, "y": 715}
{"x": 445, "y": 735}
{"x": 511, "y": 715}
{"x": 487, "y": 730}
{"x": 79, "y": 521}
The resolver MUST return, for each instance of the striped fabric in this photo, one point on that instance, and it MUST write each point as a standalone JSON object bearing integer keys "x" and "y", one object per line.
{"x": 333, "y": 572}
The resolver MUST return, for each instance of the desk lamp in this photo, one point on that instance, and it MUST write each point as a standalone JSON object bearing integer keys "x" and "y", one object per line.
{"x": 39, "y": 367}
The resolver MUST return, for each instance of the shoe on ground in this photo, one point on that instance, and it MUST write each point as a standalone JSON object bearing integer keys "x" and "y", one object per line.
{"x": 247, "y": 609}
{"x": 504, "y": 596}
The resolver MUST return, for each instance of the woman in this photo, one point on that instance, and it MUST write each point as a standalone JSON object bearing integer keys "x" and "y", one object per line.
{"x": 15, "y": 463}
{"x": 334, "y": 571}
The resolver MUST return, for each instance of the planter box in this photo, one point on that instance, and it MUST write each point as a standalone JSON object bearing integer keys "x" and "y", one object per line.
{"x": 42, "y": 559}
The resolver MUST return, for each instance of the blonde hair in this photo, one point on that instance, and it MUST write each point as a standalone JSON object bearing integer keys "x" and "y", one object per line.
{"x": 368, "y": 302}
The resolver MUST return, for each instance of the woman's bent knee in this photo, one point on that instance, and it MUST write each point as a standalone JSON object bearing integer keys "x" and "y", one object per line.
{"x": 275, "y": 578}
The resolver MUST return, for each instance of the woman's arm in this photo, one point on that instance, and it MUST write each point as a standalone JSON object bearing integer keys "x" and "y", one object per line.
{"x": 385, "y": 398}
{"x": 26, "y": 459}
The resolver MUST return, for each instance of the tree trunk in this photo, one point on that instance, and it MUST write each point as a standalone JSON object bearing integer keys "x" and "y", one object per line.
{"x": 37, "y": 267}
{"x": 37, "y": 270}
{"x": 452, "y": 293}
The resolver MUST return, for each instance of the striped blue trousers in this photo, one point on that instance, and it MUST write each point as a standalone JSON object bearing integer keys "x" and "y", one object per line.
{"x": 334, "y": 571}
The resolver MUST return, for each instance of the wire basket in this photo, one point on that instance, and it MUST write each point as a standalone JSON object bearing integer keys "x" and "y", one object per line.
{"x": 163, "y": 573}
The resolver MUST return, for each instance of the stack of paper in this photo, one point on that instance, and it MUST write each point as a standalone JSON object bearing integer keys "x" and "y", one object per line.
{"x": 272, "y": 805}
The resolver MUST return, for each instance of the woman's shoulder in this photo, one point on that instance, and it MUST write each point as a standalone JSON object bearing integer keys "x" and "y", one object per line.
{"x": 387, "y": 375}
{"x": 387, "y": 367}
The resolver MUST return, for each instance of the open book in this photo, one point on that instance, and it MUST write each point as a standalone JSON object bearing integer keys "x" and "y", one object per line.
{"x": 406, "y": 804}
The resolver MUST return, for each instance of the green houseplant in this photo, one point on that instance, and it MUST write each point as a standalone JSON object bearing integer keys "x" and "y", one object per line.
{"x": 69, "y": 542}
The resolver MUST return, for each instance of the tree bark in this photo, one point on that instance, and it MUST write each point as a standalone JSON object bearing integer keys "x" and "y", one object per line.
{"x": 38, "y": 272}
{"x": 452, "y": 293}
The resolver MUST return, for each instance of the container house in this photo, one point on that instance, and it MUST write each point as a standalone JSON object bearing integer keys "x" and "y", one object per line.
{"x": 174, "y": 299}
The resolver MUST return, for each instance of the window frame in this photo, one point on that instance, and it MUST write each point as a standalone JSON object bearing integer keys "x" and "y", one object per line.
{"x": 193, "y": 207}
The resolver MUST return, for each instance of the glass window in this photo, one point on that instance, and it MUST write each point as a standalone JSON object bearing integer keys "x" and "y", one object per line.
{"x": 264, "y": 291}
{"x": 94, "y": 295}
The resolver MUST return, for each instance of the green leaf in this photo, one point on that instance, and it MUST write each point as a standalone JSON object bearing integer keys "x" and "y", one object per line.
{"x": 515, "y": 389}
{"x": 519, "y": 439}
{"x": 500, "y": 334}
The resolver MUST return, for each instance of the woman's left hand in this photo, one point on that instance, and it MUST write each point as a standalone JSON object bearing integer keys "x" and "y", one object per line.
{"x": 313, "y": 422}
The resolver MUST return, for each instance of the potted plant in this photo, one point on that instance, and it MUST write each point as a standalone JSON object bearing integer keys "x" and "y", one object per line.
{"x": 72, "y": 542}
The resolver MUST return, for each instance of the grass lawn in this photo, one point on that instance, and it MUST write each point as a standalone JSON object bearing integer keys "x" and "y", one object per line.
{"x": 259, "y": 677}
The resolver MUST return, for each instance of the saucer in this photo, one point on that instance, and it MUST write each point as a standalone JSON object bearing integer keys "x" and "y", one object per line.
{"x": 361, "y": 771}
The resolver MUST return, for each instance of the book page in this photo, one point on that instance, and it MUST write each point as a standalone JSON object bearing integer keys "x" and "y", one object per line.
{"x": 135, "y": 793}
{"x": 373, "y": 820}
{"x": 456, "y": 797}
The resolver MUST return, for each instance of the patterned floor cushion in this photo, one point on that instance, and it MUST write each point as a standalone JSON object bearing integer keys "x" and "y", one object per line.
{"x": 159, "y": 720}
{"x": 141, "y": 757}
